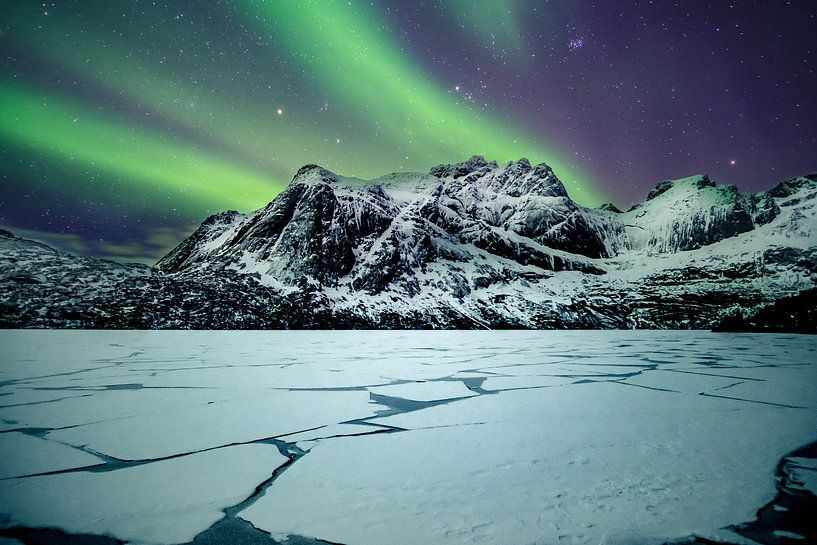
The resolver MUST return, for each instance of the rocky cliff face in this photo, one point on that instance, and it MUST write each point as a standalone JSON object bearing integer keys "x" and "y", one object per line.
{"x": 476, "y": 244}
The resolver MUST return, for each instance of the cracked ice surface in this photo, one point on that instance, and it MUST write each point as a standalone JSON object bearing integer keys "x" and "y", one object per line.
{"x": 589, "y": 463}
{"x": 406, "y": 437}
{"x": 162, "y": 502}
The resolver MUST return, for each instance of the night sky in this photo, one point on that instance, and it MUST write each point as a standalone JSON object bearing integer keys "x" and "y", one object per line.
{"x": 124, "y": 124}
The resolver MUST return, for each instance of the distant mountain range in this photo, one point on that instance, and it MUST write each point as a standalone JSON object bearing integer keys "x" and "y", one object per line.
{"x": 467, "y": 245}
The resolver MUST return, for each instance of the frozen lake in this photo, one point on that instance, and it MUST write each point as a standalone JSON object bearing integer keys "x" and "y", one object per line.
{"x": 382, "y": 438}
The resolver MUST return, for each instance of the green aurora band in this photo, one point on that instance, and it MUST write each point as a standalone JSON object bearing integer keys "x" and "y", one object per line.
{"x": 77, "y": 135}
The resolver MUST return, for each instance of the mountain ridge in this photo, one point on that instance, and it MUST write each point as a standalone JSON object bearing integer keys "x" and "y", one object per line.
{"x": 478, "y": 244}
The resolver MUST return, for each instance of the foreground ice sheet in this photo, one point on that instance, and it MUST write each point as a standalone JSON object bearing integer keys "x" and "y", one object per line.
{"x": 405, "y": 437}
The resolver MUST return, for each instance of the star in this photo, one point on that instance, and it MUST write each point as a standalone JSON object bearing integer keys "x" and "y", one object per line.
{"x": 280, "y": 111}
{"x": 732, "y": 162}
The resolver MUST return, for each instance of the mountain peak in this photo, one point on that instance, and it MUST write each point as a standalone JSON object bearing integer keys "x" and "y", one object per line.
{"x": 314, "y": 174}
{"x": 700, "y": 181}
{"x": 793, "y": 185}
{"x": 479, "y": 164}
{"x": 458, "y": 170}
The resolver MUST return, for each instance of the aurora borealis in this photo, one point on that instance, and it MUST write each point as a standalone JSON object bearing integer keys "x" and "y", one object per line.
{"x": 124, "y": 123}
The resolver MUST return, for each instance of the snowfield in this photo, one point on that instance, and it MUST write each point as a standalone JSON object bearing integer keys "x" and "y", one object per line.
{"x": 390, "y": 438}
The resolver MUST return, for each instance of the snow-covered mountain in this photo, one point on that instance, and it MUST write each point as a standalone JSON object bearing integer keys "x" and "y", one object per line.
{"x": 476, "y": 244}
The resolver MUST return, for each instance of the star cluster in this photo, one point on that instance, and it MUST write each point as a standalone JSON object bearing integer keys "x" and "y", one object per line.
{"x": 124, "y": 123}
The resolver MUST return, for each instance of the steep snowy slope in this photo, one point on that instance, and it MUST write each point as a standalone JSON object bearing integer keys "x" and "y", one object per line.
{"x": 692, "y": 212}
